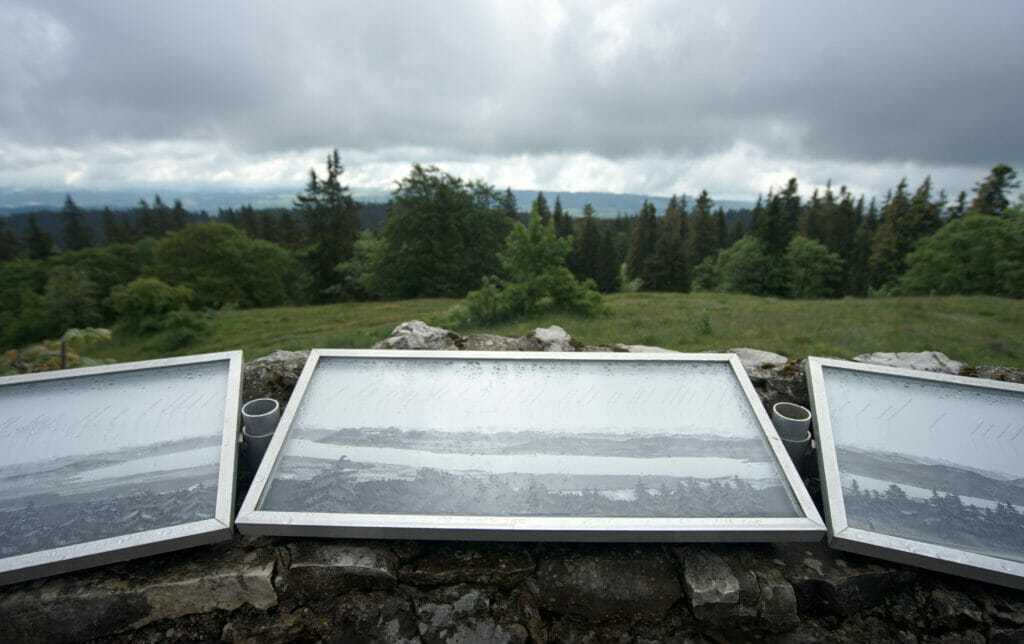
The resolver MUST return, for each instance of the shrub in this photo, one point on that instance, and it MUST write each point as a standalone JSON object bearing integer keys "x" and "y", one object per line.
{"x": 536, "y": 278}
{"x": 143, "y": 303}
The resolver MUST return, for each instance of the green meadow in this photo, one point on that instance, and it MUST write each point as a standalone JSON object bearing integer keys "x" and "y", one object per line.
{"x": 972, "y": 329}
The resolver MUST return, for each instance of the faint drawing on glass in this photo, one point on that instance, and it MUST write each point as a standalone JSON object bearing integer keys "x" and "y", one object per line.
{"x": 930, "y": 461}
{"x": 491, "y": 437}
{"x": 91, "y": 457}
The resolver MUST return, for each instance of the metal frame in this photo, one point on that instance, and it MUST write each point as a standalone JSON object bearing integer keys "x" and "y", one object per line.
{"x": 120, "y": 548}
{"x": 809, "y": 527}
{"x": 907, "y": 551}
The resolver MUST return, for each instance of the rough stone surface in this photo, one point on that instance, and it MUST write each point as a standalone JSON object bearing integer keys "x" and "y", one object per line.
{"x": 824, "y": 579}
{"x": 419, "y": 335}
{"x": 641, "y": 348}
{"x": 639, "y": 585}
{"x": 1004, "y": 374}
{"x": 553, "y": 338}
{"x": 488, "y": 342}
{"x": 721, "y": 590}
{"x": 273, "y": 376}
{"x": 158, "y": 589}
{"x": 950, "y": 610}
{"x": 318, "y": 568}
{"x": 499, "y": 565}
{"x": 922, "y": 361}
{"x": 759, "y": 364}
{"x": 464, "y": 613}
{"x": 777, "y": 609}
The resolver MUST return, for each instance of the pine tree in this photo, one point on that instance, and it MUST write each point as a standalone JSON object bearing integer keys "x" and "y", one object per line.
{"x": 161, "y": 217}
{"x": 77, "y": 235}
{"x": 642, "y": 241}
{"x": 145, "y": 222}
{"x": 331, "y": 226}
{"x": 40, "y": 242}
{"x": 607, "y": 273}
{"x": 269, "y": 229}
{"x": 288, "y": 231}
{"x": 509, "y": 205}
{"x": 990, "y": 195}
{"x": 179, "y": 217}
{"x": 10, "y": 244}
{"x": 116, "y": 230}
{"x": 583, "y": 260}
{"x": 563, "y": 222}
{"x": 668, "y": 268}
{"x": 540, "y": 207}
{"x": 703, "y": 230}
{"x": 925, "y": 214}
{"x": 723, "y": 231}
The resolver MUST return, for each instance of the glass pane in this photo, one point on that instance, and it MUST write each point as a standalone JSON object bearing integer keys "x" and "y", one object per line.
{"x": 491, "y": 437}
{"x": 98, "y": 456}
{"x": 930, "y": 461}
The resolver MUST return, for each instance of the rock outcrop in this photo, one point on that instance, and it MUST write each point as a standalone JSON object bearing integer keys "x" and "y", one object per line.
{"x": 290, "y": 589}
{"x": 934, "y": 361}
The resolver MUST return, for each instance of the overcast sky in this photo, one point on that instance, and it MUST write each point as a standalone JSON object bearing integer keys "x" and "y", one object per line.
{"x": 640, "y": 96}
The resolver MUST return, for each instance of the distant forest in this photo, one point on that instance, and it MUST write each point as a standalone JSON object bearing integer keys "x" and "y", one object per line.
{"x": 158, "y": 267}
{"x": 432, "y": 491}
{"x": 943, "y": 519}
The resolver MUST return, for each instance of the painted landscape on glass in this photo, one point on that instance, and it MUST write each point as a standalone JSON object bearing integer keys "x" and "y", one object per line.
{"x": 930, "y": 461}
{"x": 527, "y": 438}
{"x": 93, "y": 457}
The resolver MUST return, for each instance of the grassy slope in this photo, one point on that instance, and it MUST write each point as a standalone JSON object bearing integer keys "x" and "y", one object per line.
{"x": 976, "y": 330}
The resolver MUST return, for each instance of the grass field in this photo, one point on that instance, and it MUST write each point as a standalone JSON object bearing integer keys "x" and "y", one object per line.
{"x": 975, "y": 330}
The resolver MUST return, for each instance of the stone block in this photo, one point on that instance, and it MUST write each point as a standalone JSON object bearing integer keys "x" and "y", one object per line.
{"x": 415, "y": 334}
{"x": 95, "y": 604}
{"x": 827, "y": 580}
{"x": 463, "y": 614}
{"x": 498, "y": 565}
{"x": 323, "y": 568}
{"x": 639, "y": 585}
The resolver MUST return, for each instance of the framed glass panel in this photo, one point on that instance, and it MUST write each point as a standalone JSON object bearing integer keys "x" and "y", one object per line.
{"x": 922, "y": 468}
{"x": 103, "y": 464}
{"x": 527, "y": 446}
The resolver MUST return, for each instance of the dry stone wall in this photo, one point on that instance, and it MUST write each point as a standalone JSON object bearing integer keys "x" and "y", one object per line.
{"x": 276, "y": 589}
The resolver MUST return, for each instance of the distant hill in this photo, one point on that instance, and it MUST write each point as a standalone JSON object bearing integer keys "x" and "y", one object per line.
{"x": 606, "y": 204}
{"x": 609, "y": 204}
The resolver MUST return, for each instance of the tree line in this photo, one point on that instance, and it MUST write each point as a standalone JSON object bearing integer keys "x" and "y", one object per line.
{"x": 157, "y": 268}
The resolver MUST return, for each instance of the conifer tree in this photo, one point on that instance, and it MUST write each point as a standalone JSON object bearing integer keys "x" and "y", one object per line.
{"x": 145, "y": 222}
{"x": 959, "y": 207}
{"x": 583, "y": 260}
{"x": 990, "y": 195}
{"x": 331, "y": 226}
{"x": 540, "y": 207}
{"x": 161, "y": 217}
{"x": 10, "y": 244}
{"x": 668, "y": 269}
{"x": 116, "y": 230}
{"x": 509, "y": 205}
{"x": 607, "y": 274}
{"x": 77, "y": 234}
{"x": 721, "y": 228}
{"x": 563, "y": 222}
{"x": 179, "y": 217}
{"x": 642, "y": 241}
{"x": 703, "y": 230}
{"x": 40, "y": 242}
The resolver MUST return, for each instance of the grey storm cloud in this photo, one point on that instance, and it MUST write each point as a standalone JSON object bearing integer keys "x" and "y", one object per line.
{"x": 925, "y": 82}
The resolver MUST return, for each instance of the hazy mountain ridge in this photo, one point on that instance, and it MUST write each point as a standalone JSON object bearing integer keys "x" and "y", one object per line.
{"x": 543, "y": 442}
{"x": 606, "y": 204}
{"x": 929, "y": 475}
